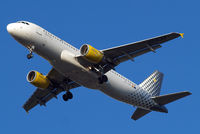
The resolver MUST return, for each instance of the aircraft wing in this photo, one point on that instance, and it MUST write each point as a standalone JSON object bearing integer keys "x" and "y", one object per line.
{"x": 116, "y": 55}
{"x": 41, "y": 96}
{"x": 129, "y": 51}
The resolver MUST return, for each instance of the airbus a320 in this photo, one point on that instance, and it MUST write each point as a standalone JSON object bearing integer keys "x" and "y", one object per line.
{"x": 91, "y": 68}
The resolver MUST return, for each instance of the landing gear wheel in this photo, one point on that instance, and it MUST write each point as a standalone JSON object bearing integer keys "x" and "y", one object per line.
{"x": 65, "y": 97}
{"x": 69, "y": 95}
{"x": 100, "y": 80}
{"x": 29, "y": 56}
{"x": 103, "y": 79}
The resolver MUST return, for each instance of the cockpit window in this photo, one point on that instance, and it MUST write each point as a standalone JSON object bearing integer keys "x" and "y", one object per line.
{"x": 23, "y": 22}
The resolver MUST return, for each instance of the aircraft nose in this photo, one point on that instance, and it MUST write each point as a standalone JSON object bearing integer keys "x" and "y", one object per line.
{"x": 11, "y": 28}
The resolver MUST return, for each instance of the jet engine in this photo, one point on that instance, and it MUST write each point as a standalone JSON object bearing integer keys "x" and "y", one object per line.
{"x": 91, "y": 54}
{"x": 37, "y": 79}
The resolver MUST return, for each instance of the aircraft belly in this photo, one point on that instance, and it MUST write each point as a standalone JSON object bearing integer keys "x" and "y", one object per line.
{"x": 77, "y": 73}
{"x": 80, "y": 76}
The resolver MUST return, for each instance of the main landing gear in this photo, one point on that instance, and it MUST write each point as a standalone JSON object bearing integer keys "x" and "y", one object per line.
{"x": 103, "y": 79}
{"x": 68, "y": 95}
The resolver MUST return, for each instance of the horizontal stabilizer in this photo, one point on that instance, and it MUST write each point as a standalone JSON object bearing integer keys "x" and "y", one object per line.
{"x": 139, "y": 112}
{"x": 165, "y": 99}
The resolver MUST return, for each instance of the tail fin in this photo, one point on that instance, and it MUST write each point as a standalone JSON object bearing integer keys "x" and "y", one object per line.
{"x": 153, "y": 83}
{"x": 165, "y": 99}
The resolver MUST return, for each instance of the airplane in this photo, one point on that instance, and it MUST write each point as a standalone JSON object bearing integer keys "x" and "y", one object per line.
{"x": 91, "y": 68}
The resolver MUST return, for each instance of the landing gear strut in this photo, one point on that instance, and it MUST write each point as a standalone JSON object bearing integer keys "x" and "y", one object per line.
{"x": 30, "y": 55}
{"x": 103, "y": 78}
{"x": 68, "y": 95}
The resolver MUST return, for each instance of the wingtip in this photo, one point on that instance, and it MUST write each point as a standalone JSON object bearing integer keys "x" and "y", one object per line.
{"x": 181, "y": 34}
{"x": 189, "y": 93}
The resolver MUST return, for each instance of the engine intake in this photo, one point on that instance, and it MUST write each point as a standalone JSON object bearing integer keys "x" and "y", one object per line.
{"x": 91, "y": 54}
{"x": 37, "y": 79}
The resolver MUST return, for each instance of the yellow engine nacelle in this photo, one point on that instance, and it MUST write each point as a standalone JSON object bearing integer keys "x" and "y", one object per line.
{"x": 38, "y": 80}
{"x": 91, "y": 54}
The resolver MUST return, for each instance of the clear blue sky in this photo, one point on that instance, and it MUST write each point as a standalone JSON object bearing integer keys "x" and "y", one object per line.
{"x": 103, "y": 24}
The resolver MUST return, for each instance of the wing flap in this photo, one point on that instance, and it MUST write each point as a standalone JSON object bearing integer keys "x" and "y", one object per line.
{"x": 134, "y": 54}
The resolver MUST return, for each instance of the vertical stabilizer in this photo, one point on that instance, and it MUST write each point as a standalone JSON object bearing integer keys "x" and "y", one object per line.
{"x": 153, "y": 83}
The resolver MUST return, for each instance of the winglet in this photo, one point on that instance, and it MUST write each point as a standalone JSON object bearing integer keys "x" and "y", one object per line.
{"x": 181, "y": 34}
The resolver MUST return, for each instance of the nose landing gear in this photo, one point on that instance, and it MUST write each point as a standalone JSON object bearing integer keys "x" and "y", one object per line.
{"x": 68, "y": 95}
{"x": 30, "y": 55}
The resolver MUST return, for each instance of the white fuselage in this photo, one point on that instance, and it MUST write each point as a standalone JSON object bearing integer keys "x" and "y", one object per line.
{"x": 62, "y": 56}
